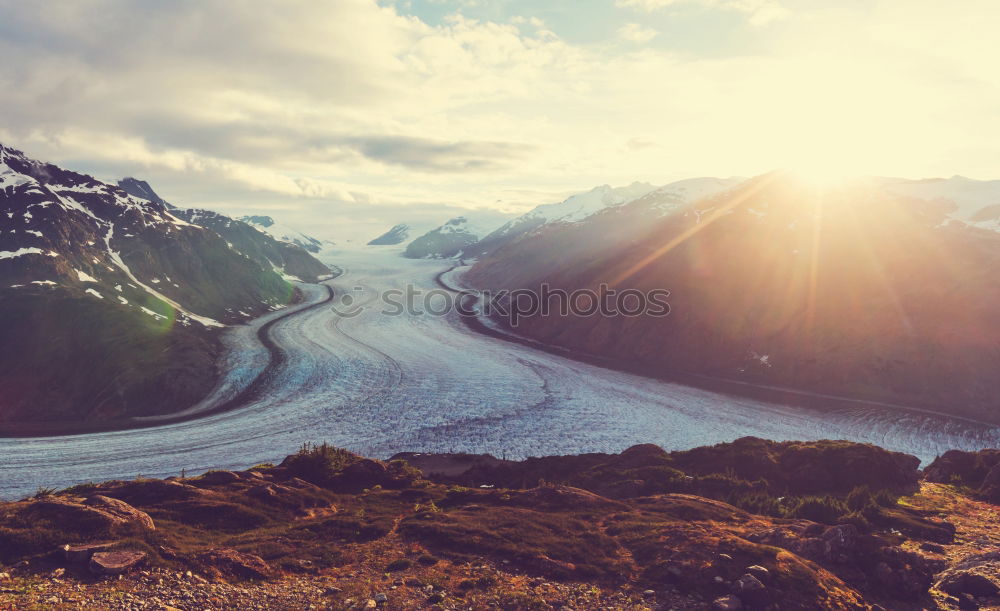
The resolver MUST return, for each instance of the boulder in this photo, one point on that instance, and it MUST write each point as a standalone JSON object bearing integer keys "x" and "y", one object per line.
{"x": 990, "y": 488}
{"x": 115, "y": 563}
{"x": 751, "y": 591}
{"x": 122, "y": 511}
{"x": 215, "y": 478}
{"x": 97, "y": 516}
{"x": 961, "y": 582}
{"x": 240, "y": 564}
{"x": 83, "y": 551}
{"x": 759, "y": 572}
{"x": 727, "y": 603}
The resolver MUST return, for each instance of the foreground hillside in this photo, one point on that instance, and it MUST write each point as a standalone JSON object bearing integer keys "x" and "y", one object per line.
{"x": 747, "y": 525}
{"x": 109, "y": 301}
{"x": 877, "y": 290}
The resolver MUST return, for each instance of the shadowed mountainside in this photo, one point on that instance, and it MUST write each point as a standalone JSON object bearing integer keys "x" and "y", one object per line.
{"x": 860, "y": 291}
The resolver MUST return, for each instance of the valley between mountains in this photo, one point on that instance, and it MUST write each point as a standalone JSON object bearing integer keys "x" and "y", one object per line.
{"x": 378, "y": 384}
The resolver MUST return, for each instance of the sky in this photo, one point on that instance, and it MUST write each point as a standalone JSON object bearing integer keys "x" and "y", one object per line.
{"x": 344, "y": 117}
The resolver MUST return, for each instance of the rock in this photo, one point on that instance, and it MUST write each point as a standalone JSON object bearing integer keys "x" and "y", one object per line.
{"x": 967, "y": 601}
{"x": 727, "y": 603}
{"x": 648, "y": 593}
{"x": 332, "y": 591}
{"x": 967, "y": 582}
{"x": 115, "y": 563}
{"x": 214, "y": 478}
{"x": 381, "y": 598}
{"x": 127, "y": 514}
{"x": 265, "y": 491}
{"x": 98, "y": 515}
{"x": 298, "y": 482}
{"x": 434, "y": 599}
{"x": 247, "y": 566}
{"x": 751, "y": 590}
{"x": 4, "y": 576}
{"x": 83, "y": 552}
{"x": 371, "y": 604}
{"x": 841, "y": 537}
{"x": 934, "y": 548}
{"x": 884, "y": 573}
{"x": 990, "y": 488}
{"x": 56, "y": 574}
{"x": 759, "y": 572}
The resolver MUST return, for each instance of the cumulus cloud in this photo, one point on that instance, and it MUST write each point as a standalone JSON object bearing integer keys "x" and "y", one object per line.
{"x": 330, "y": 108}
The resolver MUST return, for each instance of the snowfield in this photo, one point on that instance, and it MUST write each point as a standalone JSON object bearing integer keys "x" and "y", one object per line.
{"x": 380, "y": 384}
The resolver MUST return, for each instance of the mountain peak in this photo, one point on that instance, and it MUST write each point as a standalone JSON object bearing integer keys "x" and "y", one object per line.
{"x": 258, "y": 219}
{"x": 140, "y": 188}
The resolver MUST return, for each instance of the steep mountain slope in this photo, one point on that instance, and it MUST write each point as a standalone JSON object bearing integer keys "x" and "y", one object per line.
{"x": 109, "y": 299}
{"x": 282, "y": 233}
{"x": 856, "y": 290}
{"x": 448, "y": 240}
{"x": 141, "y": 188}
{"x": 397, "y": 235}
{"x": 288, "y": 259}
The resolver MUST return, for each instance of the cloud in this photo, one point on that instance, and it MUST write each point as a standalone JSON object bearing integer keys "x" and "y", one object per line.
{"x": 354, "y": 108}
{"x": 760, "y": 12}
{"x": 633, "y": 32}
{"x": 438, "y": 156}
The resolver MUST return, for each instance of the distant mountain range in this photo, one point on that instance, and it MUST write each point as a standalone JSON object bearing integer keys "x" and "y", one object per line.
{"x": 470, "y": 237}
{"x": 448, "y": 240}
{"x": 267, "y": 225}
{"x": 109, "y": 299}
{"x": 881, "y": 289}
{"x": 397, "y": 235}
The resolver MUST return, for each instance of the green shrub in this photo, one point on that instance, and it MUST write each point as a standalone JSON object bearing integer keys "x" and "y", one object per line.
{"x": 825, "y": 509}
{"x": 318, "y": 464}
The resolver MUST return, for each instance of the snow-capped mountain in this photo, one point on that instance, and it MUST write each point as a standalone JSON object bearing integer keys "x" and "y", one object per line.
{"x": 448, "y": 240}
{"x": 107, "y": 297}
{"x": 396, "y": 235}
{"x": 267, "y": 225}
{"x": 574, "y": 209}
{"x": 877, "y": 289}
{"x": 970, "y": 201}
{"x": 289, "y": 260}
{"x": 141, "y": 188}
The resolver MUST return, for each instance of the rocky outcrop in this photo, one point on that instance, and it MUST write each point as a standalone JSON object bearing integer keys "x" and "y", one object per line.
{"x": 978, "y": 470}
{"x": 115, "y": 563}
{"x": 976, "y": 576}
{"x": 97, "y": 515}
{"x": 238, "y": 564}
{"x": 83, "y": 552}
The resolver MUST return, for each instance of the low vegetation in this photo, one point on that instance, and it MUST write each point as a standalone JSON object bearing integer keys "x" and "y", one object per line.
{"x": 641, "y": 528}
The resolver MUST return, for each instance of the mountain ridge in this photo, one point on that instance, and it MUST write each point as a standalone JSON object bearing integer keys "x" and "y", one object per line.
{"x": 145, "y": 289}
